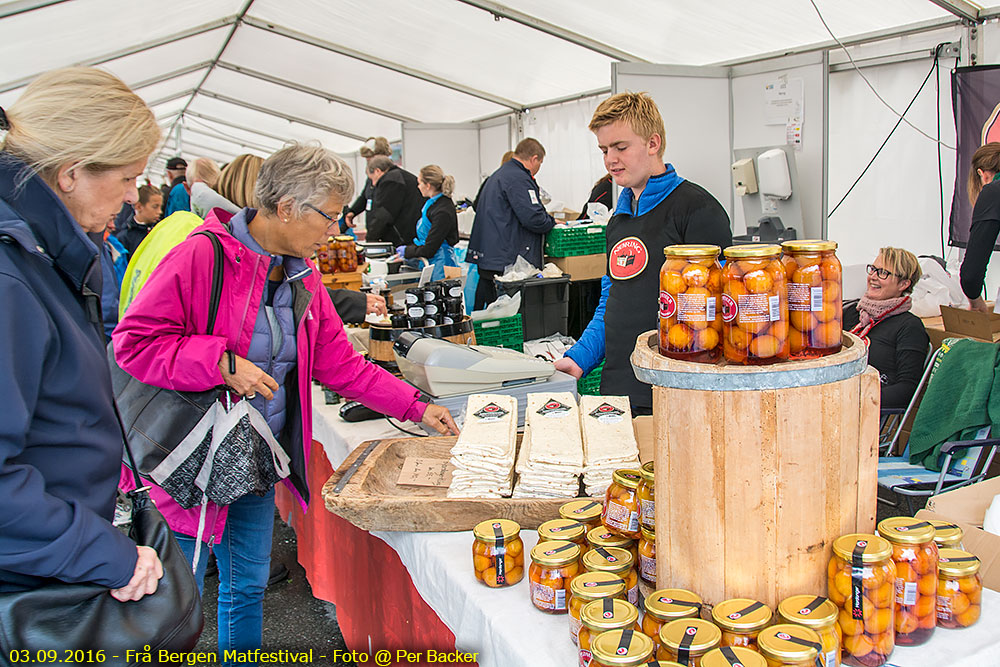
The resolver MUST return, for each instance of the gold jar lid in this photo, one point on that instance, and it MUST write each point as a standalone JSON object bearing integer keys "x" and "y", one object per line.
{"x": 581, "y": 510}
{"x": 809, "y": 610}
{"x": 596, "y": 585}
{"x": 699, "y": 636}
{"x": 752, "y": 251}
{"x": 872, "y": 547}
{"x": 561, "y": 529}
{"x": 662, "y": 663}
{"x": 646, "y": 471}
{"x": 669, "y": 604}
{"x": 627, "y": 477}
{"x": 733, "y": 655}
{"x": 809, "y": 245}
{"x": 608, "y": 614}
{"x": 692, "y": 250}
{"x": 648, "y": 534}
{"x": 622, "y": 648}
{"x": 741, "y": 615}
{"x": 789, "y": 643}
{"x": 602, "y": 537}
{"x": 344, "y": 237}
{"x": 607, "y": 559}
{"x": 905, "y": 530}
{"x": 555, "y": 553}
{"x": 947, "y": 534}
{"x": 956, "y": 563}
{"x": 493, "y": 530}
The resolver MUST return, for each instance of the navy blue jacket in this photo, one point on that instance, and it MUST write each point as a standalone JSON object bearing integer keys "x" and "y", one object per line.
{"x": 510, "y": 220}
{"x": 60, "y": 443}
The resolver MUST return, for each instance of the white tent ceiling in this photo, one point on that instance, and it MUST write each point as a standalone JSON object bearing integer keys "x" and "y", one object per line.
{"x": 246, "y": 75}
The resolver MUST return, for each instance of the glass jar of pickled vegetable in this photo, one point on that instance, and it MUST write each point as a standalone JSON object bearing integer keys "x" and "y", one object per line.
{"x": 815, "y": 303}
{"x": 647, "y": 562}
{"x": 647, "y": 496}
{"x": 602, "y": 616}
{"x": 733, "y": 655}
{"x": 618, "y": 562}
{"x": 346, "y": 253}
{"x": 754, "y": 305}
{"x": 585, "y": 511}
{"x": 588, "y": 587}
{"x": 819, "y": 615}
{"x": 666, "y": 605}
{"x": 602, "y": 537}
{"x": 741, "y": 620}
{"x": 621, "y": 503}
{"x": 687, "y": 640}
{"x": 960, "y": 589}
{"x": 862, "y": 582}
{"x": 564, "y": 529}
{"x": 916, "y": 557}
{"x": 621, "y": 648}
{"x": 498, "y": 553}
{"x": 947, "y": 535}
{"x": 553, "y": 567}
{"x": 690, "y": 323}
{"x": 789, "y": 645}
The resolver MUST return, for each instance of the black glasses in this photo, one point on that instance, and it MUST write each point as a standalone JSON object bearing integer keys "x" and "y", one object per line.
{"x": 333, "y": 220}
{"x": 881, "y": 273}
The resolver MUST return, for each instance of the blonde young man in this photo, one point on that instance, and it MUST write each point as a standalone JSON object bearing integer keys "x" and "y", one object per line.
{"x": 656, "y": 208}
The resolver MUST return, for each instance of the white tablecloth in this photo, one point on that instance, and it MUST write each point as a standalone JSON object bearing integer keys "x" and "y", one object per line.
{"x": 506, "y": 629}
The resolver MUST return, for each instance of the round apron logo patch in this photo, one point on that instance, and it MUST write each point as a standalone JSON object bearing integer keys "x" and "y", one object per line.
{"x": 628, "y": 258}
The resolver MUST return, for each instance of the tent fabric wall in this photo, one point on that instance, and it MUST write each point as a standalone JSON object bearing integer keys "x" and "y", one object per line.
{"x": 454, "y": 148}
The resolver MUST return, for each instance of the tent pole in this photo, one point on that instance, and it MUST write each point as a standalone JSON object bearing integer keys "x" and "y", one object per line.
{"x": 167, "y": 76}
{"x": 24, "y": 6}
{"x": 960, "y": 8}
{"x": 235, "y": 126}
{"x": 290, "y": 118}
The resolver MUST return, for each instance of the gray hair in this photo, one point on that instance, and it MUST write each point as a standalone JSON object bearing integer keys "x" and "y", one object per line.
{"x": 304, "y": 173}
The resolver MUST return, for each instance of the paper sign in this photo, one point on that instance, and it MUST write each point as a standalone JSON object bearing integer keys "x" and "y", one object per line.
{"x": 783, "y": 100}
{"x": 425, "y": 275}
{"x": 425, "y": 472}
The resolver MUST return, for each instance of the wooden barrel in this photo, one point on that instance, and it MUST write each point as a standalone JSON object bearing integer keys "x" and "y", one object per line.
{"x": 759, "y": 469}
{"x": 382, "y": 337}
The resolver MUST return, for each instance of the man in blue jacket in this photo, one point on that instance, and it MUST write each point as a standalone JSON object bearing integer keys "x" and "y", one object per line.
{"x": 656, "y": 208}
{"x": 511, "y": 220}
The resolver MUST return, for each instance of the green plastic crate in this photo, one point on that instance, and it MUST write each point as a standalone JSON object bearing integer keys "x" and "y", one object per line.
{"x": 590, "y": 384}
{"x": 574, "y": 241}
{"x": 506, "y": 332}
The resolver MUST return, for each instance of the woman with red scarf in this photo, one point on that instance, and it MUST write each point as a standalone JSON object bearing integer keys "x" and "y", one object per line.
{"x": 897, "y": 341}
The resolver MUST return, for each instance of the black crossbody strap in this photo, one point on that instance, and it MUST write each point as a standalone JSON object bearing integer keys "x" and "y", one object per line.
{"x": 217, "y": 271}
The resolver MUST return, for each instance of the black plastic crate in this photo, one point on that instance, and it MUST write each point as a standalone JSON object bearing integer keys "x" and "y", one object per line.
{"x": 544, "y": 305}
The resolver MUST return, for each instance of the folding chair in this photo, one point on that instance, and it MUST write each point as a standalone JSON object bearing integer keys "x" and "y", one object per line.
{"x": 892, "y": 420}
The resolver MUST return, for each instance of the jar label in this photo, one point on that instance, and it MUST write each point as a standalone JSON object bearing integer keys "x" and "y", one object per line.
{"x": 544, "y": 597}
{"x": 633, "y": 595}
{"x": 730, "y": 309}
{"x": 906, "y": 592}
{"x": 758, "y": 308}
{"x": 647, "y": 568}
{"x": 695, "y": 308}
{"x": 944, "y": 608}
{"x": 455, "y": 292}
{"x": 431, "y": 309}
{"x": 668, "y": 306}
{"x": 415, "y": 311}
{"x": 574, "y": 627}
{"x": 831, "y": 658}
{"x": 647, "y": 512}
{"x": 619, "y": 516}
{"x": 804, "y": 297}
{"x": 585, "y": 657}
{"x": 857, "y": 579}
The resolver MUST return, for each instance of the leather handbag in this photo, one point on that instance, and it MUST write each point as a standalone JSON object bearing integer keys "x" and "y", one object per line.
{"x": 72, "y": 619}
{"x": 156, "y": 420}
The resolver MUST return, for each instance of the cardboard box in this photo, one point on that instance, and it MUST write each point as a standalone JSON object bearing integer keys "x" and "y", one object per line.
{"x": 967, "y": 508}
{"x": 959, "y": 323}
{"x": 582, "y": 267}
{"x": 643, "y": 427}
{"x": 565, "y": 214}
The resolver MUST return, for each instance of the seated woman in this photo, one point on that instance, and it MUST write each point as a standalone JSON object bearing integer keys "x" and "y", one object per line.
{"x": 437, "y": 231}
{"x": 897, "y": 341}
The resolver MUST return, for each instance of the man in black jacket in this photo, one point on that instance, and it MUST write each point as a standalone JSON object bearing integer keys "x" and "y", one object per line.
{"x": 396, "y": 204}
{"x": 510, "y": 220}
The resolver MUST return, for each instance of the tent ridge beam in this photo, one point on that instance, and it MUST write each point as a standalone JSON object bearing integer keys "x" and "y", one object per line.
{"x": 379, "y": 62}
{"x": 25, "y": 6}
{"x": 961, "y": 8}
{"x": 236, "y": 126}
{"x": 167, "y": 76}
{"x": 169, "y": 98}
{"x": 502, "y": 11}
{"x": 194, "y": 129}
{"x": 278, "y": 114}
{"x": 131, "y": 50}
{"x": 329, "y": 97}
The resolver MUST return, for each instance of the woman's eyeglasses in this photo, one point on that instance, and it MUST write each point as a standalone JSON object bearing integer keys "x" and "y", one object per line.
{"x": 332, "y": 219}
{"x": 881, "y": 273}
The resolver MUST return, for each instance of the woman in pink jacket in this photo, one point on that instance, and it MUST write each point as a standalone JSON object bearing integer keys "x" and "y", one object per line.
{"x": 276, "y": 318}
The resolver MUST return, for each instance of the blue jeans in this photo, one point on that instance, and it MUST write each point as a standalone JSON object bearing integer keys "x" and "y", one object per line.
{"x": 244, "y": 558}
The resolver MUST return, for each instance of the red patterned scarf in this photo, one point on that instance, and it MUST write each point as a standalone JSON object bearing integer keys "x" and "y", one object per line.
{"x": 871, "y": 312}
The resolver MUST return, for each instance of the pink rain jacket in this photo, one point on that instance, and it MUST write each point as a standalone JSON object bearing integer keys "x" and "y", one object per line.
{"x": 161, "y": 341}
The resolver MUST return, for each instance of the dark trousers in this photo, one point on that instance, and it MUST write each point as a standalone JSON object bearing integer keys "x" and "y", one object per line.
{"x": 486, "y": 290}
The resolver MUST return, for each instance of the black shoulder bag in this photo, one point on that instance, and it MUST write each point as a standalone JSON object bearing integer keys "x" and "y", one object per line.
{"x": 156, "y": 420}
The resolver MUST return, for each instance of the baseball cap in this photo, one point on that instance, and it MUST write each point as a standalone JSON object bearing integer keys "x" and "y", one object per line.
{"x": 176, "y": 163}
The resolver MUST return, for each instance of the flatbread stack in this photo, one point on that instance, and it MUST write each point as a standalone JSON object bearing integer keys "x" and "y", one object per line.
{"x": 551, "y": 457}
{"x": 484, "y": 454}
{"x": 608, "y": 440}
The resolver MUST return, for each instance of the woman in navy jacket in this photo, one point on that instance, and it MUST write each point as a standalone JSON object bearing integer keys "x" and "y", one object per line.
{"x": 76, "y": 140}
